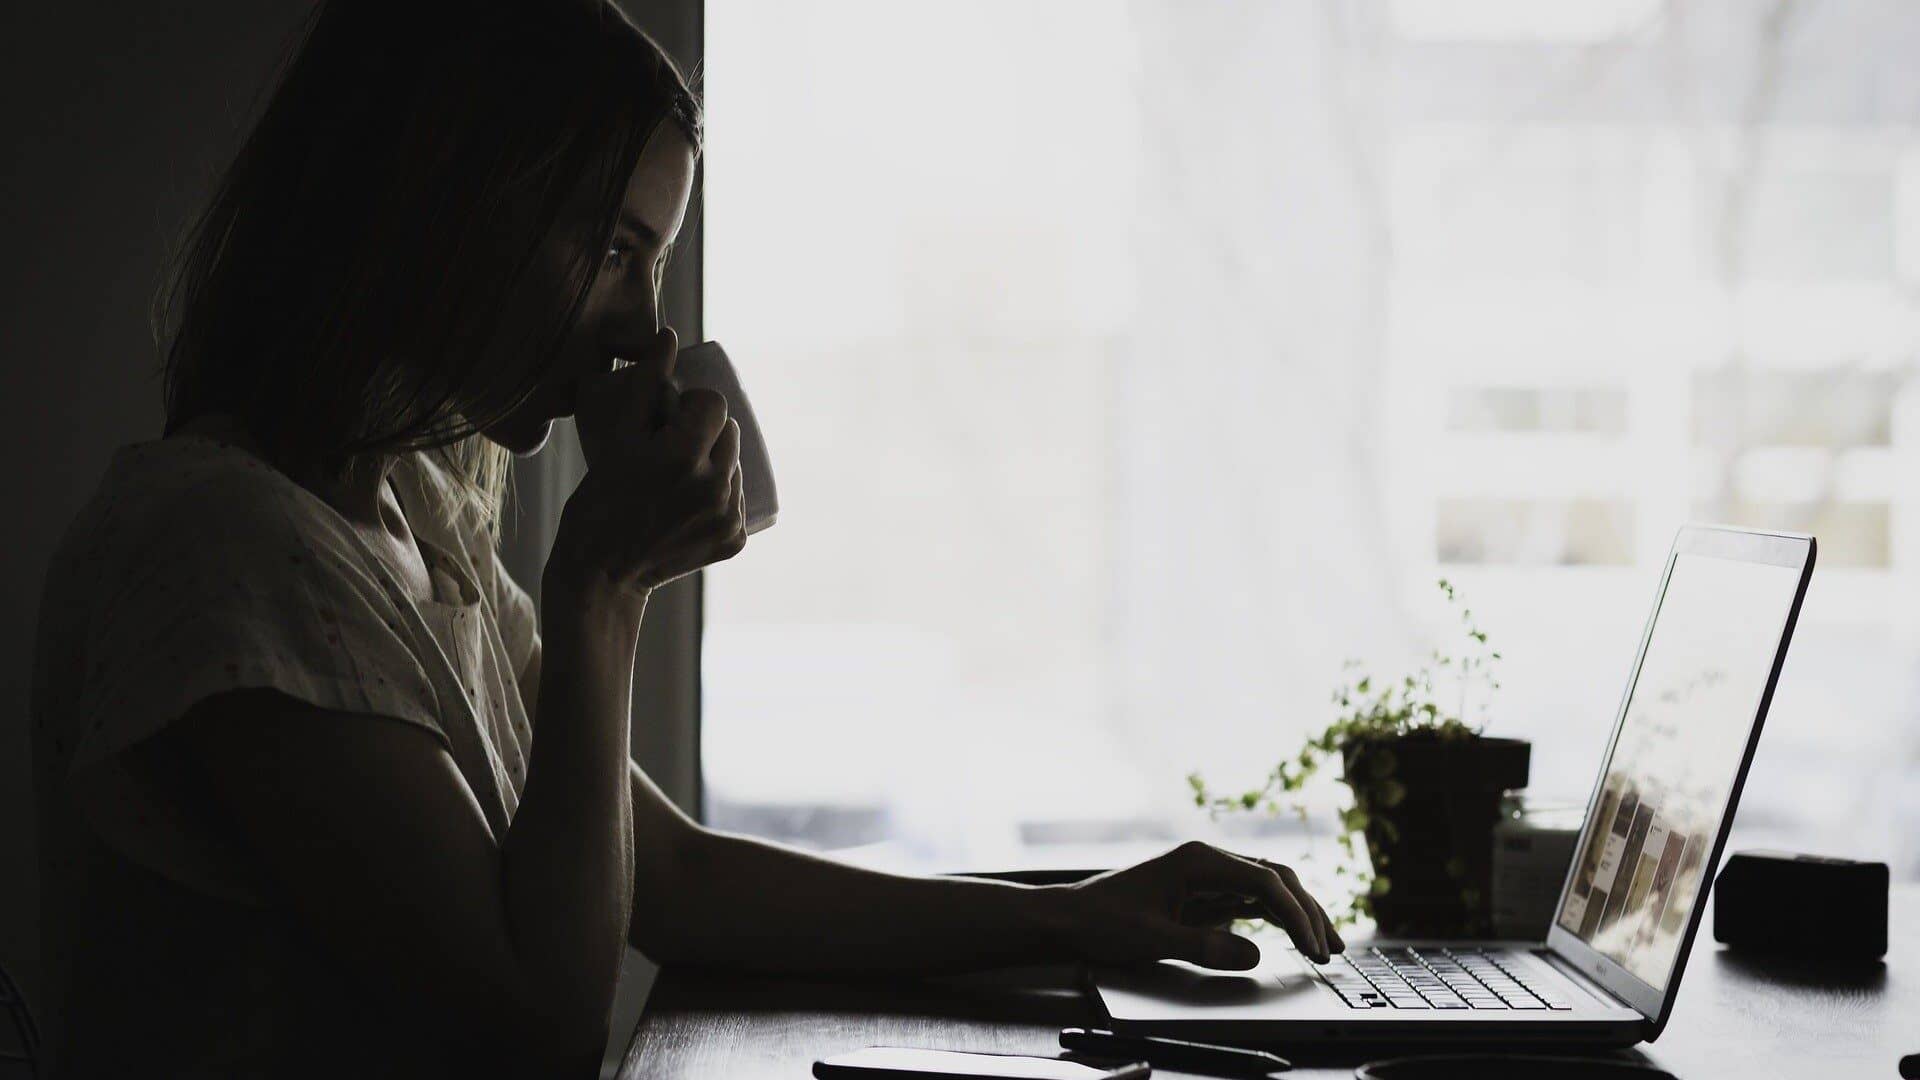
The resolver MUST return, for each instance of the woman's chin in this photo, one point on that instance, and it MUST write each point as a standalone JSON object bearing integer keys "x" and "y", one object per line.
{"x": 521, "y": 438}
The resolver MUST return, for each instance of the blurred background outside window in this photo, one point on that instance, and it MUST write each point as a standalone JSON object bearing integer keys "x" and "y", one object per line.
{"x": 1129, "y": 366}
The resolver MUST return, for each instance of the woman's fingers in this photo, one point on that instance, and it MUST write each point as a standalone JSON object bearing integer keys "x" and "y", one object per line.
{"x": 722, "y": 533}
{"x": 1322, "y": 925}
{"x": 740, "y": 500}
{"x": 653, "y": 355}
{"x": 1212, "y": 868}
{"x": 733, "y": 523}
{"x": 726, "y": 449}
{"x": 1221, "y": 909}
{"x": 625, "y": 401}
{"x": 1333, "y": 935}
{"x": 673, "y": 499}
{"x": 697, "y": 423}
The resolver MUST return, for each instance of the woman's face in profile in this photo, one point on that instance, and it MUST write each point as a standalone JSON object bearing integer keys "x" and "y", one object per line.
{"x": 623, "y": 305}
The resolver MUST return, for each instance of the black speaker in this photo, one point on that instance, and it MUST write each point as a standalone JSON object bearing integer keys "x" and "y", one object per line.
{"x": 1811, "y": 906}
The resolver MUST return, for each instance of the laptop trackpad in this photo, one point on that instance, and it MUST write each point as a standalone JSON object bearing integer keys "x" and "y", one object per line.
{"x": 1177, "y": 986}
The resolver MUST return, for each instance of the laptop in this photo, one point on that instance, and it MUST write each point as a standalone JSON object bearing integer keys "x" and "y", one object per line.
{"x": 1609, "y": 970}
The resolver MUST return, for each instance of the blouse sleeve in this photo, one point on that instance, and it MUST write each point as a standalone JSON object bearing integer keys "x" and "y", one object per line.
{"x": 253, "y": 593}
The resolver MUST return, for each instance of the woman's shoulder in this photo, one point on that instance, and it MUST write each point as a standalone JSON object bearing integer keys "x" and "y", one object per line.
{"x": 217, "y": 480}
{"x": 186, "y": 498}
{"x": 197, "y": 568}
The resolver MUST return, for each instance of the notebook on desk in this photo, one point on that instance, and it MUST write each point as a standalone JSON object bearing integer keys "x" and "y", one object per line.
{"x": 1662, "y": 803}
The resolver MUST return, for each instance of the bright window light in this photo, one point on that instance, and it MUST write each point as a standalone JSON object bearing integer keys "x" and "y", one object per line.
{"x": 1128, "y": 367}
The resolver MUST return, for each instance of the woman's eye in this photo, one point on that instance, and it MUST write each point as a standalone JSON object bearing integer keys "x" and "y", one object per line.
{"x": 621, "y": 256}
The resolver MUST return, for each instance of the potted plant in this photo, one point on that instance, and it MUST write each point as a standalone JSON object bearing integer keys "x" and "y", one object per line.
{"x": 1427, "y": 789}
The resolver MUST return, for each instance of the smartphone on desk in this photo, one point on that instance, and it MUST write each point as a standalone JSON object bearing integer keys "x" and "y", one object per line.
{"x": 908, "y": 1064}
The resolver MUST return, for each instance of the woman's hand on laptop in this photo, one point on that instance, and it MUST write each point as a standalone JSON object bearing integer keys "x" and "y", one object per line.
{"x": 1178, "y": 906}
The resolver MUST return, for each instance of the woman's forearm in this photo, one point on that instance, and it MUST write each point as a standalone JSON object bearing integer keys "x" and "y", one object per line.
{"x": 567, "y": 858}
{"x": 747, "y": 904}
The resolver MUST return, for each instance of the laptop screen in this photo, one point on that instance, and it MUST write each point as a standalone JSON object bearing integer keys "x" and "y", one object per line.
{"x": 1687, "y": 719}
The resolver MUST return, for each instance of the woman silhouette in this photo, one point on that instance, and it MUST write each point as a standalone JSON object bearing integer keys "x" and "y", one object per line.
{"x": 295, "y": 816}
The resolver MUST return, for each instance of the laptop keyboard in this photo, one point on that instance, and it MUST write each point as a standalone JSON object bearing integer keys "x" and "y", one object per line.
{"x": 1434, "y": 979}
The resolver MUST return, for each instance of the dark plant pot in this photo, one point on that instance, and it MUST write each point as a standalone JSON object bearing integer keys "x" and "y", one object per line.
{"x": 1431, "y": 803}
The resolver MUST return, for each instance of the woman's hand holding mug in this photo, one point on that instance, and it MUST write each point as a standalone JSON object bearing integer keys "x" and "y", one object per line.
{"x": 663, "y": 495}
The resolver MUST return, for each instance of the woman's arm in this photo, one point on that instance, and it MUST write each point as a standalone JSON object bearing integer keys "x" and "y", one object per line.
{"x": 713, "y": 899}
{"x": 568, "y": 876}
{"x": 710, "y": 898}
{"x": 707, "y": 898}
{"x": 507, "y": 945}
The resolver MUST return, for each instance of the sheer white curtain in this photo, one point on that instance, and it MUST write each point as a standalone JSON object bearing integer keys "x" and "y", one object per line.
{"x": 1066, "y": 321}
{"x": 1253, "y": 547}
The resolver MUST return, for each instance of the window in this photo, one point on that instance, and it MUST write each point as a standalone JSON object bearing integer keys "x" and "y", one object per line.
{"x": 1129, "y": 367}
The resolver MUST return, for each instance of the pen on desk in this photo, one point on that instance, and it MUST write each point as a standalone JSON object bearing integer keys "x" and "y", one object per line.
{"x": 1175, "y": 1054}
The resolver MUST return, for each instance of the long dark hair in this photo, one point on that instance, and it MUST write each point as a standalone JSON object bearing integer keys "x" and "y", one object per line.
{"x": 342, "y": 293}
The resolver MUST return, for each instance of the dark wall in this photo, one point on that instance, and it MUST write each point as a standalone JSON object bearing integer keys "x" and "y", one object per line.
{"x": 117, "y": 117}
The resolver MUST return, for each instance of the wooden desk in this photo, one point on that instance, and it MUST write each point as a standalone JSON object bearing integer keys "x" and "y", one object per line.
{"x": 1736, "y": 1018}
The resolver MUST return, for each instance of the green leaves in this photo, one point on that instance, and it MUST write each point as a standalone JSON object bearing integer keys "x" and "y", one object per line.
{"x": 1199, "y": 787}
